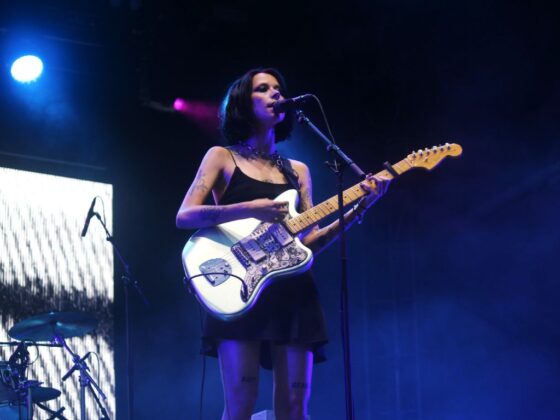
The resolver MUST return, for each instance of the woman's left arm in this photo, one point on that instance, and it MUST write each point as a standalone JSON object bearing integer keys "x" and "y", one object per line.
{"x": 318, "y": 239}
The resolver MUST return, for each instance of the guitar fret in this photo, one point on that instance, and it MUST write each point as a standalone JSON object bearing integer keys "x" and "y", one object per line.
{"x": 355, "y": 194}
{"x": 398, "y": 167}
{"x": 350, "y": 195}
{"x": 324, "y": 211}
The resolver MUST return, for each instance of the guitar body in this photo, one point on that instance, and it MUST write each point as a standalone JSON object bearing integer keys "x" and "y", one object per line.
{"x": 229, "y": 265}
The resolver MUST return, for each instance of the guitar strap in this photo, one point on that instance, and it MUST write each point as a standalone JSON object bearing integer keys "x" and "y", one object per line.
{"x": 291, "y": 175}
{"x": 289, "y": 172}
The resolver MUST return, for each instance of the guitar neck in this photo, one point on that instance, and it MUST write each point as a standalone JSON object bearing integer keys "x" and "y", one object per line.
{"x": 319, "y": 212}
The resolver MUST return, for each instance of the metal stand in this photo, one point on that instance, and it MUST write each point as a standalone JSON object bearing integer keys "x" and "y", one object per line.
{"x": 53, "y": 414}
{"x": 19, "y": 362}
{"x": 340, "y": 163}
{"x": 127, "y": 281}
{"x": 86, "y": 381}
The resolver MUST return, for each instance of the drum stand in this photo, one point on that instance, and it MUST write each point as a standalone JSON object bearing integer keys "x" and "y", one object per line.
{"x": 25, "y": 390}
{"x": 53, "y": 414}
{"x": 86, "y": 381}
{"x": 22, "y": 387}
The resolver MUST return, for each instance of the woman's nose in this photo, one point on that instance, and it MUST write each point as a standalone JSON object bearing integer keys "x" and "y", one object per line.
{"x": 275, "y": 94}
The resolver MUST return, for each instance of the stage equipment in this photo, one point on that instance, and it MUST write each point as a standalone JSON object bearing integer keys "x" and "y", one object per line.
{"x": 288, "y": 104}
{"x": 48, "y": 266}
{"x": 127, "y": 281}
{"x": 88, "y": 217}
{"x": 18, "y": 394}
{"x": 53, "y": 324}
{"x": 56, "y": 327}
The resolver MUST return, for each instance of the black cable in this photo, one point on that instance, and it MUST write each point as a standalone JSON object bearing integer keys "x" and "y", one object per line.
{"x": 213, "y": 273}
{"x": 102, "y": 208}
{"x": 201, "y": 402}
{"x": 324, "y": 117}
{"x": 186, "y": 283}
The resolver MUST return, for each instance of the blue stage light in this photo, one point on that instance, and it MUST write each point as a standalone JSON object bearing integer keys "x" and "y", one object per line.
{"x": 27, "y": 69}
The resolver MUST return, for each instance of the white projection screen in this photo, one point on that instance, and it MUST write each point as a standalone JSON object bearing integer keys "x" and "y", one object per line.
{"x": 45, "y": 265}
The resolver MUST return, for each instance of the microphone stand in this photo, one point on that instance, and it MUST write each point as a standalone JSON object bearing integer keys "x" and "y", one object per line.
{"x": 127, "y": 281}
{"x": 86, "y": 380}
{"x": 340, "y": 163}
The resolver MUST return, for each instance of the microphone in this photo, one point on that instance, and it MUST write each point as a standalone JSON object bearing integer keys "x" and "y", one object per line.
{"x": 90, "y": 214}
{"x": 284, "y": 105}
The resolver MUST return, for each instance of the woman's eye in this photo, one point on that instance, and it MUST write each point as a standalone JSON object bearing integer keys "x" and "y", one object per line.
{"x": 262, "y": 88}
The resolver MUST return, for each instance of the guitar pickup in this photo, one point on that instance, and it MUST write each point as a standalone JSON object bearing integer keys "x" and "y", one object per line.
{"x": 252, "y": 247}
{"x": 280, "y": 233}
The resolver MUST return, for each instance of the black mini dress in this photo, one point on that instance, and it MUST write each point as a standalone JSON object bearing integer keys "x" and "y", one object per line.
{"x": 287, "y": 311}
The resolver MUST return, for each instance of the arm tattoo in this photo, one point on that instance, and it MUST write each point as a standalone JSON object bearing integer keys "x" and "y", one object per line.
{"x": 211, "y": 213}
{"x": 200, "y": 184}
{"x": 306, "y": 201}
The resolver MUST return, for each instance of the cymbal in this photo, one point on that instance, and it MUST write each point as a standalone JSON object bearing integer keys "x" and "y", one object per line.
{"x": 43, "y": 393}
{"x": 38, "y": 394}
{"x": 45, "y": 327}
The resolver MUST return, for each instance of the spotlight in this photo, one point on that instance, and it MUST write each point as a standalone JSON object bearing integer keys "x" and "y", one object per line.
{"x": 27, "y": 69}
{"x": 181, "y": 105}
{"x": 202, "y": 113}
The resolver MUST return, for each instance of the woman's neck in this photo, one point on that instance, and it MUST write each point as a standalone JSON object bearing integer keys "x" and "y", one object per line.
{"x": 263, "y": 141}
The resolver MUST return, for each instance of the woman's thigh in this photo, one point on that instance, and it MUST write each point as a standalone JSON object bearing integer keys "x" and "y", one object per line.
{"x": 239, "y": 366}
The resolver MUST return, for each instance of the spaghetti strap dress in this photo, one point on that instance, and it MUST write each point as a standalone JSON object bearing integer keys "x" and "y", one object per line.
{"x": 288, "y": 311}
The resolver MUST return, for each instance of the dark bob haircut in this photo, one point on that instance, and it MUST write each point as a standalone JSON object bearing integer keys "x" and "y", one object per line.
{"x": 237, "y": 118}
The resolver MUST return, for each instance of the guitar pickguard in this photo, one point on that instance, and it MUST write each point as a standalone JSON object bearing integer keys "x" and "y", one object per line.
{"x": 269, "y": 248}
{"x": 283, "y": 258}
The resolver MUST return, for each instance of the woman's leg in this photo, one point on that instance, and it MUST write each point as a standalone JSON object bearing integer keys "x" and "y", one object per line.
{"x": 293, "y": 365}
{"x": 239, "y": 365}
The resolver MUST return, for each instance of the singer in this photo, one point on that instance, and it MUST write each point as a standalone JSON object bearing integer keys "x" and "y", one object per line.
{"x": 285, "y": 331}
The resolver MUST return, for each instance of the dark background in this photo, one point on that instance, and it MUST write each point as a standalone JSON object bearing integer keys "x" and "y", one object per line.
{"x": 454, "y": 291}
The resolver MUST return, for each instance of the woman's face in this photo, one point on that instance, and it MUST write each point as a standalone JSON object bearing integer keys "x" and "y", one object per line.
{"x": 266, "y": 91}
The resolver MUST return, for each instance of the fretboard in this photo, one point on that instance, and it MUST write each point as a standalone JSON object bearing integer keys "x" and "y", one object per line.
{"x": 326, "y": 208}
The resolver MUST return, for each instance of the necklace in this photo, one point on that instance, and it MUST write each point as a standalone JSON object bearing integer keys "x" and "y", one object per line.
{"x": 249, "y": 152}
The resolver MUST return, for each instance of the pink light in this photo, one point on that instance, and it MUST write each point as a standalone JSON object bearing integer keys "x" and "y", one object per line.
{"x": 203, "y": 114}
{"x": 180, "y": 105}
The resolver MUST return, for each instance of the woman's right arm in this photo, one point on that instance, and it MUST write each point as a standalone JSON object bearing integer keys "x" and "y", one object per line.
{"x": 193, "y": 214}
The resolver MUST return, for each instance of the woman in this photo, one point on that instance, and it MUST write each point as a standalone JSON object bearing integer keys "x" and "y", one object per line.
{"x": 285, "y": 330}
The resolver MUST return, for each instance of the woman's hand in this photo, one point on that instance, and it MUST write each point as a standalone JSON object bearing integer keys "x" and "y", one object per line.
{"x": 269, "y": 210}
{"x": 375, "y": 192}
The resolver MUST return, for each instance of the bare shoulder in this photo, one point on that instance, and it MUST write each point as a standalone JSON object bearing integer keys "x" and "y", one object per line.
{"x": 216, "y": 158}
{"x": 218, "y": 153}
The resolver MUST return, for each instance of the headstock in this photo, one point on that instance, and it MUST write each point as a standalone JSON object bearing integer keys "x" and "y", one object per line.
{"x": 429, "y": 158}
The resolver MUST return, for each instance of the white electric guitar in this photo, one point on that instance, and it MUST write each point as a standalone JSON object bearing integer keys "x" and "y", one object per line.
{"x": 229, "y": 265}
